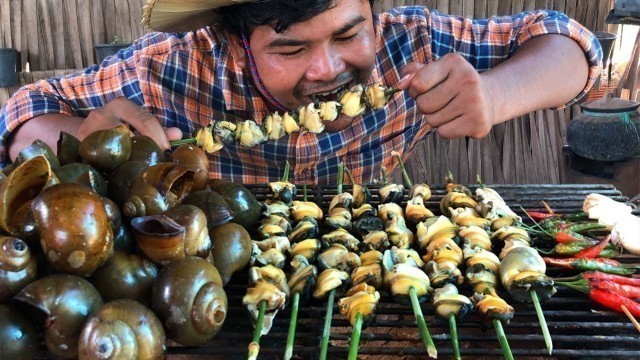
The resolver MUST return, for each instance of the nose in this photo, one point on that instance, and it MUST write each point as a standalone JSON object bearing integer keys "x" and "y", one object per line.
{"x": 325, "y": 65}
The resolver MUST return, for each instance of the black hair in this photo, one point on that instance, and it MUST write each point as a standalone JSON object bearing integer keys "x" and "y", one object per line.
{"x": 279, "y": 14}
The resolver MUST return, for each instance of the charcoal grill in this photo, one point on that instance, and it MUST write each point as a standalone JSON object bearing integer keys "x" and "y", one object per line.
{"x": 579, "y": 327}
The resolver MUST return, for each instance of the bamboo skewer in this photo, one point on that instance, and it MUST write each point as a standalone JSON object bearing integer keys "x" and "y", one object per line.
{"x": 504, "y": 343}
{"x": 543, "y": 322}
{"x": 291, "y": 335}
{"x": 630, "y": 316}
{"x": 327, "y": 326}
{"x": 422, "y": 325}
{"x": 254, "y": 347}
{"x": 355, "y": 338}
{"x": 327, "y": 320}
{"x": 453, "y": 329}
{"x": 288, "y": 353}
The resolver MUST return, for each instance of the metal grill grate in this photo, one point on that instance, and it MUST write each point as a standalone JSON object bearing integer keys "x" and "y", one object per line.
{"x": 579, "y": 328}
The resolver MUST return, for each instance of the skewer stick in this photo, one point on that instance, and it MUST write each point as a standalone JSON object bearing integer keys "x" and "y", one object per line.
{"x": 254, "y": 347}
{"x": 327, "y": 319}
{"x": 630, "y": 316}
{"x": 422, "y": 325}
{"x": 453, "y": 329}
{"x": 288, "y": 353}
{"x": 504, "y": 344}
{"x": 355, "y": 338}
{"x": 285, "y": 175}
{"x": 327, "y": 326}
{"x": 543, "y": 321}
{"x": 404, "y": 170}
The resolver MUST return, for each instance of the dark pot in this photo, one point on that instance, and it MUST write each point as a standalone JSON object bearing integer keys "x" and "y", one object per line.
{"x": 102, "y": 51}
{"x": 8, "y": 67}
{"x": 607, "y": 130}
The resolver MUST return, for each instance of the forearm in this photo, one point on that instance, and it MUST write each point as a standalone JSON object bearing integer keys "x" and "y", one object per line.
{"x": 545, "y": 72}
{"x": 46, "y": 128}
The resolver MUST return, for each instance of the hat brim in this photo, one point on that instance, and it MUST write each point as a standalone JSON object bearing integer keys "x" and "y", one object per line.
{"x": 182, "y": 15}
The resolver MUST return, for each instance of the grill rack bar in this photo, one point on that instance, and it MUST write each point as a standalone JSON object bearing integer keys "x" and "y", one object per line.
{"x": 579, "y": 328}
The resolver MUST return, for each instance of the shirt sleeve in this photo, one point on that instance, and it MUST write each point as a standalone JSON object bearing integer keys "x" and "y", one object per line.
{"x": 75, "y": 94}
{"x": 488, "y": 42}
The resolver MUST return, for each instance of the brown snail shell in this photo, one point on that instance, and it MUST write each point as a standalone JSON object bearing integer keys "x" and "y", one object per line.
{"x": 196, "y": 236}
{"x": 68, "y": 149}
{"x": 107, "y": 149}
{"x": 189, "y": 299}
{"x": 122, "y": 329}
{"x": 144, "y": 149}
{"x": 17, "y": 193}
{"x": 82, "y": 174}
{"x": 122, "y": 179}
{"x": 61, "y": 303}
{"x": 74, "y": 229}
{"x": 159, "y": 237}
{"x": 230, "y": 249}
{"x": 18, "y": 338}
{"x": 195, "y": 159}
{"x": 214, "y": 206}
{"x": 38, "y": 148}
{"x": 157, "y": 189}
{"x": 125, "y": 276}
{"x": 18, "y": 267}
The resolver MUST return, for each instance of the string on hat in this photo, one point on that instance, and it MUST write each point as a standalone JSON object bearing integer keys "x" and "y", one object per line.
{"x": 256, "y": 76}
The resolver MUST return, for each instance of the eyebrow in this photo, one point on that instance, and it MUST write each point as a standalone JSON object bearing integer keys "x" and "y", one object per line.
{"x": 293, "y": 42}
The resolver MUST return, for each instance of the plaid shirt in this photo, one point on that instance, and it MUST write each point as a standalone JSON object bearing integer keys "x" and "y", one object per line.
{"x": 186, "y": 80}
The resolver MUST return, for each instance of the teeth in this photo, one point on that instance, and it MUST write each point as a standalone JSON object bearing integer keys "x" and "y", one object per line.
{"x": 314, "y": 97}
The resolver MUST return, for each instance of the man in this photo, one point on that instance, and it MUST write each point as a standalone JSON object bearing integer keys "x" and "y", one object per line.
{"x": 460, "y": 78}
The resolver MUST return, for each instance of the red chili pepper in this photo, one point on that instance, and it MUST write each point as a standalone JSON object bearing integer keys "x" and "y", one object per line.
{"x": 567, "y": 236}
{"x": 597, "y": 275}
{"x": 628, "y": 291}
{"x": 593, "y": 251}
{"x": 537, "y": 216}
{"x": 614, "y": 301}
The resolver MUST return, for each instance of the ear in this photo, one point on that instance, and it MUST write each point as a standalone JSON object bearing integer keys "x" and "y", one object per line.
{"x": 237, "y": 50}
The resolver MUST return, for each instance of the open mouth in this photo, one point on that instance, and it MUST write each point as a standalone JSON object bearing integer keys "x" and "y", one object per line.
{"x": 327, "y": 96}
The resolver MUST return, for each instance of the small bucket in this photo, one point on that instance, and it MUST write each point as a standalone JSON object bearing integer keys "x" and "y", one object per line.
{"x": 8, "y": 67}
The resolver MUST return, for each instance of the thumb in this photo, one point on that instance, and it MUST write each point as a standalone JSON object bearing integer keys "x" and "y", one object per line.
{"x": 408, "y": 71}
{"x": 173, "y": 133}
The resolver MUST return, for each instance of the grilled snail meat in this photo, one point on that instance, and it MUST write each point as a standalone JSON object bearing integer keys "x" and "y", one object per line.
{"x": 361, "y": 299}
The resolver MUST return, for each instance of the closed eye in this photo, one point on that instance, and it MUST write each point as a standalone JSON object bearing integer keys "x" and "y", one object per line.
{"x": 348, "y": 38}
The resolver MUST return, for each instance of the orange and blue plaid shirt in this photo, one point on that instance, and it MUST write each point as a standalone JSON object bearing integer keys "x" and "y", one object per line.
{"x": 188, "y": 79}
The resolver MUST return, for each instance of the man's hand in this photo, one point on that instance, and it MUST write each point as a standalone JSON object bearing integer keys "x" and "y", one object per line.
{"x": 452, "y": 96}
{"x": 124, "y": 111}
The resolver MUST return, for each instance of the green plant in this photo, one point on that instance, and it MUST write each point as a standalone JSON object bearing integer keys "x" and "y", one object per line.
{"x": 116, "y": 40}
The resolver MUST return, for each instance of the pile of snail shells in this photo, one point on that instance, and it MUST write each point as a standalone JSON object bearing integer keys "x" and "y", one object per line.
{"x": 118, "y": 232}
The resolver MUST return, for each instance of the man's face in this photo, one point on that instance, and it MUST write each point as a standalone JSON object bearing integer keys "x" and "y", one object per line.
{"x": 316, "y": 59}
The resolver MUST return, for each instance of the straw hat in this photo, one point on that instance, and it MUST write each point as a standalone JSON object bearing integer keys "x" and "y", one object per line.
{"x": 182, "y": 15}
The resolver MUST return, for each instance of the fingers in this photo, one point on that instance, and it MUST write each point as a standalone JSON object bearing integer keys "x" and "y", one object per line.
{"x": 429, "y": 76}
{"x": 141, "y": 120}
{"x": 407, "y": 74}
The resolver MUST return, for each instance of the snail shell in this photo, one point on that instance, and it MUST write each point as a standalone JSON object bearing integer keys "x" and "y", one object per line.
{"x": 157, "y": 189}
{"x": 122, "y": 329}
{"x": 107, "y": 149}
{"x": 195, "y": 159}
{"x": 74, "y": 230}
{"x": 18, "y": 338}
{"x": 61, "y": 303}
{"x": 143, "y": 148}
{"x": 189, "y": 299}
{"x": 125, "y": 276}
{"x": 230, "y": 249}
{"x": 17, "y": 192}
{"x": 17, "y": 267}
{"x": 159, "y": 237}
{"x": 196, "y": 237}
